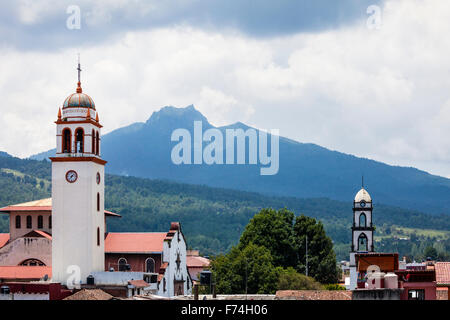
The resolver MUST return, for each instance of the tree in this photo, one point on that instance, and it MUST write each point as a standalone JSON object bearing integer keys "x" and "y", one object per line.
{"x": 245, "y": 270}
{"x": 430, "y": 252}
{"x": 290, "y": 279}
{"x": 321, "y": 257}
{"x": 273, "y": 229}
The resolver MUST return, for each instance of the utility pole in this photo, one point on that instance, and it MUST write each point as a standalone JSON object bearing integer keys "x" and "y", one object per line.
{"x": 306, "y": 255}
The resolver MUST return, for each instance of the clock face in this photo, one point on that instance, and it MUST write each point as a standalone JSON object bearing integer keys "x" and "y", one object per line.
{"x": 71, "y": 176}
{"x": 362, "y": 203}
{"x": 98, "y": 178}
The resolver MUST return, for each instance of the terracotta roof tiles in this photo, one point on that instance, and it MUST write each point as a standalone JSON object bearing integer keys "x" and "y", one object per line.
{"x": 442, "y": 273}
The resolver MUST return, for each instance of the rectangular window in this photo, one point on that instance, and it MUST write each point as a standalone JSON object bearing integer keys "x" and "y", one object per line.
{"x": 416, "y": 294}
{"x": 18, "y": 222}
{"x": 29, "y": 222}
{"x": 40, "y": 222}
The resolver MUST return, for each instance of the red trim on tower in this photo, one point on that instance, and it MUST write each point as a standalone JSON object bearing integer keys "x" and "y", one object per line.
{"x": 98, "y": 125}
{"x": 73, "y": 159}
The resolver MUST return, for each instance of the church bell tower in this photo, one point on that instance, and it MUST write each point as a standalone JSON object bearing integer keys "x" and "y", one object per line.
{"x": 362, "y": 231}
{"x": 78, "y": 188}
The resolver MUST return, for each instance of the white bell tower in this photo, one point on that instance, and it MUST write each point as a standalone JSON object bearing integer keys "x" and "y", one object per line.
{"x": 362, "y": 230}
{"x": 78, "y": 175}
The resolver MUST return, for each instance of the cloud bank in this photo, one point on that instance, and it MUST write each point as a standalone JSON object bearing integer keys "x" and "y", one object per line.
{"x": 381, "y": 94}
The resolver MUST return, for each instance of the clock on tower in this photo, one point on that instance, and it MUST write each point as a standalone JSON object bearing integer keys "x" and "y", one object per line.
{"x": 77, "y": 190}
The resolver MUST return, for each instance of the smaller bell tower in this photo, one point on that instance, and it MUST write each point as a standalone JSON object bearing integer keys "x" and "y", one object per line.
{"x": 362, "y": 230}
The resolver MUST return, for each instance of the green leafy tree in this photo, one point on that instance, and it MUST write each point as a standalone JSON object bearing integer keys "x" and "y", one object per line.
{"x": 321, "y": 257}
{"x": 247, "y": 270}
{"x": 290, "y": 279}
{"x": 430, "y": 252}
{"x": 273, "y": 229}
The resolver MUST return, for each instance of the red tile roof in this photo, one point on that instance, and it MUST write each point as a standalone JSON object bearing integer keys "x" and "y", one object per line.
{"x": 134, "y": 242}
{"x": 4, "y": 238}
{"x": 196, "y": 262}
{"x": 42, "y": 205}
{"x": 138, "y": 283}
{"x": 24, "y": 272}
{"x": 442, "y": 273}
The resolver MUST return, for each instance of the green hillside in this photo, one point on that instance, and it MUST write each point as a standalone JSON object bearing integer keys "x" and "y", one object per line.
{"x": 213, "y": 219}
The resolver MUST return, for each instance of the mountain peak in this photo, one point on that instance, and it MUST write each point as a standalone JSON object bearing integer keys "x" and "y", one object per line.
{"x": 172, "y": 116}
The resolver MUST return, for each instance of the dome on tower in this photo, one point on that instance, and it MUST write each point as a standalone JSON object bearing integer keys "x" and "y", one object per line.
{"x": 79, "y": 99}
{"x": 363, "y": 195}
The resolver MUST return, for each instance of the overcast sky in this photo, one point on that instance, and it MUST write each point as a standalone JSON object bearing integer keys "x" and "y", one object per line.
{"x": 314, "y": 70}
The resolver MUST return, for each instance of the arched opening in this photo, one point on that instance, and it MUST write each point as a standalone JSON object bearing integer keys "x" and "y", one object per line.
{"x": 97, "y": 143}
{"x": 29, "y": 222}
{"x": 98, "y": 236}
{"x": 150, "y": 265}
{"x": 40, "y": 222}
{"x": 18, "y": 222}
{"x": 79, "y": 140}
{"x": 66, "y": 141}
{"x": 93, "y": 141}
{"x": 122, "y": 264}
{"x": 362, "y": 220}
{"x": 98, "y": 201}
{"x": 362, "y": 242}
{"x": 32, "y": 263}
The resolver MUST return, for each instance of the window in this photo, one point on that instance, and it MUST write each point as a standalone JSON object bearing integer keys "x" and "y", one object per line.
{"x": 40, "y": 222}
{"x": 362, "y": 242}
{"x": 98, "y": 201}
{"x": 98, "y": 236}
{"x": 18, "y": 222}
{"x": 93, "y": 141}
{"x": 150, "y": 265}
{"x": 79, "y": 140}
{"x": 66, "y": 141}
{"x": 362, "y": 220}
{"x": 50, "y": 222}
{"x": 122, "y": 264}
{"x": 29, "y": 222}
{"x": 32, "y": 263}
{"x": 416, "y": 294}
{"x": 97, "y": 144}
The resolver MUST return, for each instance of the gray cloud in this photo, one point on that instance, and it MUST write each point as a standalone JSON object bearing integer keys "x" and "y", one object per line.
{"x": 41, "y": 25}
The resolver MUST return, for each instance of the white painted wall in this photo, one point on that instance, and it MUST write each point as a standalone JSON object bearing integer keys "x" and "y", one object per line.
{"x": 75, "y": 219}
{"x": 177, "y": 244}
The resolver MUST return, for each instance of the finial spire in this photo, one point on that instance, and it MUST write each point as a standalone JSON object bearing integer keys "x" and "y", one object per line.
{"x": 79, "y": 90}
{"x": 362, "y": 181}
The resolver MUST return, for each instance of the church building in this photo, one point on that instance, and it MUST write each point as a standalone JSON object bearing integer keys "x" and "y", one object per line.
{"x": 66, "y": 234}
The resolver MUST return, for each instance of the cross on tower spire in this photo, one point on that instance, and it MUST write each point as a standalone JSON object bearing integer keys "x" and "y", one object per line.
{"x": 79, "y": 90}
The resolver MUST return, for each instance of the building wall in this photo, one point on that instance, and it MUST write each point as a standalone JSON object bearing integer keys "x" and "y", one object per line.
{"x": 17, "y": 233}
{"x": 429, "y": 287}
{"x": 136, "y": 261}
{"x": 175, "y": 274}
{"x": 22, "y": 249}
{"x": 442, "y": 293}
{"x": 76, "y": 219}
